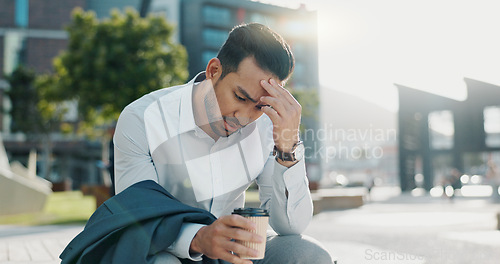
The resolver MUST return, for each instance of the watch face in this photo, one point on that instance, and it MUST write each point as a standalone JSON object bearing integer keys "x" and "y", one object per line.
{"x": 299, "y": 152}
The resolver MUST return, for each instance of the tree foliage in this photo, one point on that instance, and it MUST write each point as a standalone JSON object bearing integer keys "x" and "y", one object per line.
{"x": 24, "y": 98}
{"x": 309, "y": 101}
{"x": 110, "y": 63}
{"x": 31, "y": 113}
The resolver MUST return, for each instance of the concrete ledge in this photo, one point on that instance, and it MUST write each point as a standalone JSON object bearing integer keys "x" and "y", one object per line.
{"x": 329, "y": 199}
{"x": 21, "y": 195}
{"x": 24, "y": 192}
{"x": 254, "y": 204}
{"x": 341, "y": 202}
{"x": 338, "y": 198}
{"x": 317, "y": 203}
{"x": 100, "y": 192}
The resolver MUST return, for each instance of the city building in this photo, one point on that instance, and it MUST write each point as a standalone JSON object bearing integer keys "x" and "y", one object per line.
{"x": 438, "y": 135}
{"x": 32, "y": 34}
{"x": 102, "y": 9}
{"x": 360, "y": 141}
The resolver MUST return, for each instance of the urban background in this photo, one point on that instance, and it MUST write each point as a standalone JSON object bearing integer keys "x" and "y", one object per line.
{"x": 400, "y": 172}
{"x": 66, "y": 124}
{"x": 71, "y": 145}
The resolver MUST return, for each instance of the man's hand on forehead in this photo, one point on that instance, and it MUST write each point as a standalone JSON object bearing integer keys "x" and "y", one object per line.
{"x": 284, "y": 111}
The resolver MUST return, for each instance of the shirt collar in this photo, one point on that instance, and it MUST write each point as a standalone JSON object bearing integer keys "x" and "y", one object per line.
{"x": 187, "y": 122}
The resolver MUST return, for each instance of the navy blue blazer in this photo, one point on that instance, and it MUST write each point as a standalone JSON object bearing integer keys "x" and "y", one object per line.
{"x": 133, "y": 226}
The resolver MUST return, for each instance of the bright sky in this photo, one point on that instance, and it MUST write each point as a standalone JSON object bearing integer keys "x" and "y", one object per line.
{"x": 368, "y": 45}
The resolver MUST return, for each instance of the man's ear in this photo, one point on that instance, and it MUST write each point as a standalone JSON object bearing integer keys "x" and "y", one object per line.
{"x": 214, "y": 69}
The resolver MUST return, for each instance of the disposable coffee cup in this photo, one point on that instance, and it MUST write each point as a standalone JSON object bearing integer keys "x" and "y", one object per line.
{"x": 261, "y": 218}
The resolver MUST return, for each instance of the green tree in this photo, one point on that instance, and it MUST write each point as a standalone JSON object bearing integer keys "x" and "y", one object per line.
{"x": 32, "y": 114}
{"x": 110, "y": 63}
{"x": 24, "y": 98}
{"x": 309, "y": 100}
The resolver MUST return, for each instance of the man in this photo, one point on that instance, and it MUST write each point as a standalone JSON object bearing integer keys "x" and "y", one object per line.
{"x": 205, "y": 142}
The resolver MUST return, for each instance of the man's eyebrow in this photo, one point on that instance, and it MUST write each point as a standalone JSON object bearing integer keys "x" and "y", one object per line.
{"x": 241, "y": 90}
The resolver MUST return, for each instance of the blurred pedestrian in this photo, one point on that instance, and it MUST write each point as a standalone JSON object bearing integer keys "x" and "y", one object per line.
{"x": 452, "y": 183}
{"x": 493, "y": 176}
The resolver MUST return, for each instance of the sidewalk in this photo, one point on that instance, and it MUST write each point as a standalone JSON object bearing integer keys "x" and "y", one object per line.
{"x": 34, "y": 244}
{"x": 391, "y": 229}
{"x": 412, "y": 230}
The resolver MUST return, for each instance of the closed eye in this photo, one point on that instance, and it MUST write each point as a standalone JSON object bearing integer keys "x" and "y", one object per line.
{"x": 239, "y": 98}
{"x": 260, "y": 106}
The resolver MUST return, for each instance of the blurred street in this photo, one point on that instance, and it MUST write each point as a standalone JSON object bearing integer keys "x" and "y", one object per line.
{"x": 413, "y": 230}
{"x": 391, "y": 228}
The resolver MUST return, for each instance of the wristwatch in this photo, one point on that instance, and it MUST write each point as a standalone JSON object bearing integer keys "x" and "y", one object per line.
{"x": 296, "y": 154}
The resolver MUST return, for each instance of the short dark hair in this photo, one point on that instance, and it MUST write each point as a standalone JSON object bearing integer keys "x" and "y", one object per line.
{"x": 270, "y": 50}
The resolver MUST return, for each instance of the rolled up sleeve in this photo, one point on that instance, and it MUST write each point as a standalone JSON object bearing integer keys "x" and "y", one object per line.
{"x": 292, "y": 214}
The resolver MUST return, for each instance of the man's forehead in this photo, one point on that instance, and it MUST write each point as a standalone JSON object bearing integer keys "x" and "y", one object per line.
{"x": 250, "y": 97}
{"x": 252, "y": 93}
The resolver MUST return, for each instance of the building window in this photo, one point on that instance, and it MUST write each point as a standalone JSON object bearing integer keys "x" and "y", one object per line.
{"x": 15, "y": 50}
{"x": 441, "y": 129}
{"x": 216, "y": 15}
{"x": 213, "y": 37}
{"x": 22, "y": 13}
{"x": 492, "y": 126}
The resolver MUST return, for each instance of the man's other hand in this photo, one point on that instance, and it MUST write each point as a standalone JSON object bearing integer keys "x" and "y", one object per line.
{"x": 216, "y": 241}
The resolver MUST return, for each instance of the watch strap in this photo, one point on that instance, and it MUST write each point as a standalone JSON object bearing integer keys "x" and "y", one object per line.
{"x": 286, "y": 156}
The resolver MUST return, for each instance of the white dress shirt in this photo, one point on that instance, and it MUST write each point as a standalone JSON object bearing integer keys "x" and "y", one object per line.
{"x": 156, "y": 138}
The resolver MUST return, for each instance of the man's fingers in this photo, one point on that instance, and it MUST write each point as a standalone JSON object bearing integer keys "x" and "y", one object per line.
{"x": 269, "y": 88}
{"x": 218, "y": 239}
{"x": 273, "y": 114}
{"x": 284, "y": 92}
{"x": 244, "y": 235}
{"x": 239, "y": 249}
{"x": 276, "y": 90}
{"x": 276, "y": 104}
{"x": 237, "y": 227}
{"x": 237, "y": 221}
{"x": 227, "y": 256}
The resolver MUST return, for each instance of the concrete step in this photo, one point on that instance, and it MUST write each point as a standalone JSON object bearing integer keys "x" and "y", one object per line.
{"x": 328, "y": 199}
{"x": 338, "y": 198}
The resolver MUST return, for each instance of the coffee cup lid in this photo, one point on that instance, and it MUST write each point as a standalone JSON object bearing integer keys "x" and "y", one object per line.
{"x": 251, "y": 212}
